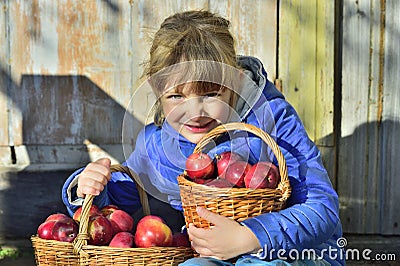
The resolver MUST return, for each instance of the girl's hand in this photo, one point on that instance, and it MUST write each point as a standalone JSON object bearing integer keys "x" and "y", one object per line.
{"x": 227, "y": 239}
{"x": 94, "y": 177}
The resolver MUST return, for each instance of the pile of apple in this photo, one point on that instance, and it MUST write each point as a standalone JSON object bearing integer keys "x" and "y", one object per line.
{"x": 111, "y": 226}
{"x": 228, "y": 169}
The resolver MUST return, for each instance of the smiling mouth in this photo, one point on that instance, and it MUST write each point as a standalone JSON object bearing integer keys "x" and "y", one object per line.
{"x": 199, "y": 129}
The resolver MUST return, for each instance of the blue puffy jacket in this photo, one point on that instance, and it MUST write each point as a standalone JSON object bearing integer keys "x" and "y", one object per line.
{"x": 310, "y": 223}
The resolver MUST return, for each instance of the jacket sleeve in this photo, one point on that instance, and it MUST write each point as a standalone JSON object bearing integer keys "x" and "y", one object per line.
{"x": 311, "y": 216}
{"x": 120, "y": 191}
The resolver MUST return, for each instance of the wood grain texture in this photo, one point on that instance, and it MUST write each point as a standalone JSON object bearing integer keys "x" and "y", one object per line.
{"x": 4, "y": 81}
{"x": 254, "y": 26}
{"x": 297, "y": 57}
{"x": 324, "y": 68}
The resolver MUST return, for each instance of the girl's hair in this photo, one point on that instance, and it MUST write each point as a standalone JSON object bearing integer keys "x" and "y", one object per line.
{"x": 192, "y": 46}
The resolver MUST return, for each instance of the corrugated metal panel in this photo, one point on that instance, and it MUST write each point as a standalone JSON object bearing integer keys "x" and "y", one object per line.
{"x": 368, "y": 150}
{"x": 357, "y": 170}
{"x": 390, "y": 128}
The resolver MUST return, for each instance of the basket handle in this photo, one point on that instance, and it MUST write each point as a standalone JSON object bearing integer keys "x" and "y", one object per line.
{"x": 139, "y": 185}
{"x": 82, "y": 236}
{"x": 284, "y": 184}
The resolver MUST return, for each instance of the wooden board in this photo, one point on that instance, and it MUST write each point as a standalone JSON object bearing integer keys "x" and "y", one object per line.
{"x": 254, "y": 26}
{"x": 306, "y": 52}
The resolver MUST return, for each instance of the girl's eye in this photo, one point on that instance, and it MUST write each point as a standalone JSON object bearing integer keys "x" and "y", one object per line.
{"x": 174, "y": 96}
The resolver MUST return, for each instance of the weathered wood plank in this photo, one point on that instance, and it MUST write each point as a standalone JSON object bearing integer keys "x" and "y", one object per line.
{"x": 324, "y": 87}
{"x": 254, "y": 26}
{"x": 4, "y": 77}
{"x": 389, "y": 155}
{"x": 297, "y": 56}
{"x": 306, "y": 68}
{"x": 73, "y": 69}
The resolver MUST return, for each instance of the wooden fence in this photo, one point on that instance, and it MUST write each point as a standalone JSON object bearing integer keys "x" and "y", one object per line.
{"x": 68, "y": 70}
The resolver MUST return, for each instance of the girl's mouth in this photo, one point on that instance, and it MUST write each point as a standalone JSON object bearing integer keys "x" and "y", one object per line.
{"x": 199, "y": 128}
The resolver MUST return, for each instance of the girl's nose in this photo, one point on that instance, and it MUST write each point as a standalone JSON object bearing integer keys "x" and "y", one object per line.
{"x": 194, "y": 107}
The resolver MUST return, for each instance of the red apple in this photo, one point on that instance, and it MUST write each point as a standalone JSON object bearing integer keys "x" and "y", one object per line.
{"x": 65, "y": 230}
{"x": 94, "y": 210}
{"x": 100, "y": 230}
{"x": 152, "y": 232}
{"x": 45, "y": 229}
{"x": 236, "y": 172}
{"x": 219, "y": 183}
{"x": 224, "y": 160}
{"x": 106, "y": 210}
{"x": 122, "y": 240}
{"x": 56, "y": 217}
{"x": 199, "y": 165}
{"x": 180, "y": 239}
{"x": 121, "y": 221}
{"x": 262, "y": 175}
{"x": 151, "y": 217}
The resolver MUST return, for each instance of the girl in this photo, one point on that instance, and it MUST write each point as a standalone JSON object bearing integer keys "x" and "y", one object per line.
{"x": 200, "y": 83}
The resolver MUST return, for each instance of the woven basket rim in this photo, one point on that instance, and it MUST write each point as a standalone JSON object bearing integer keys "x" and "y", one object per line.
{"x": 52, "y": 252}
{"x": 184, "y": 181}
{"x": 134, "y": 249}
{"x": 283, "y": 185}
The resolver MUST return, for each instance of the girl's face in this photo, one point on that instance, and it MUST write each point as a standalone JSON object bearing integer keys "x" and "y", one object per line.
{"x": 193, "y": 114}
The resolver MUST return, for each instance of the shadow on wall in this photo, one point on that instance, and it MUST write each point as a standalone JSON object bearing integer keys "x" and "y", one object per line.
{"x": 63, "y": 115}
{"x": 367, "y": 178}
{"x": 58, "y": 116}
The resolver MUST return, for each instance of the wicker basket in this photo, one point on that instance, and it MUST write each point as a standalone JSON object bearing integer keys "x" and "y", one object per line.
{"x": 235, "y": 203}
{"x": 51, "y": 252}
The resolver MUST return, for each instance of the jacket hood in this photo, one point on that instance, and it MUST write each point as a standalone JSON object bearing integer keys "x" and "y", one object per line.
{"x": 255, "y": 86}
